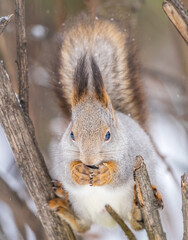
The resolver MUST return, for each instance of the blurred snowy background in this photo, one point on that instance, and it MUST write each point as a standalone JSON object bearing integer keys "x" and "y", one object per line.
{"x": 164, "y": 59}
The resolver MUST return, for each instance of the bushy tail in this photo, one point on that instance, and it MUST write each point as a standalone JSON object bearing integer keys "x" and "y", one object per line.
{"x": 126, "y": 93}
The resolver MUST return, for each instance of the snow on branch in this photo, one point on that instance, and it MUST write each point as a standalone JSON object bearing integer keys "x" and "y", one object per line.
{"x": 4, "y": 22}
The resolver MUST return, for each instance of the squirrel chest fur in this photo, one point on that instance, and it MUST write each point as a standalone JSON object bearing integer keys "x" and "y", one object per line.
{"x": 98, "y": 85}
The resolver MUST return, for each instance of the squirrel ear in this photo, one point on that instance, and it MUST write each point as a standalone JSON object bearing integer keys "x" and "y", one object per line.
{"x": 80, "y": 84}
{"x": 100, "y": 91}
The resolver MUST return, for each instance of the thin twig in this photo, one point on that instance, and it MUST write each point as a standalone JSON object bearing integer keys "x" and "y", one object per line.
{"x": 120, "y": 221}
{"x": 147, "y": 201}
{"x": 178, "y": 15}
{"x": 22, "y": 54}
{"x": 2, "y": 234}
{"x": 184, "y": 191}
{"x": 22, "y": 214}
{"x": 20, "y": 134}
{"x": 4, "y": 22}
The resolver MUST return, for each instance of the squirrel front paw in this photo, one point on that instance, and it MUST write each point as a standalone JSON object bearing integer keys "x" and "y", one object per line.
{"x": 84, "y": 175}
{"x": 60, "y": 205}
{"x": 59, "y": 190}
{"x": 63, "y": 208}
{"x": 136, "y": 221}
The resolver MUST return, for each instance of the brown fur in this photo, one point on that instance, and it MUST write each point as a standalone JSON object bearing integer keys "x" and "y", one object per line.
{"x": 122, "y": 83}
{"x": 100, "y": 91}
{"x": 80, "y": 85}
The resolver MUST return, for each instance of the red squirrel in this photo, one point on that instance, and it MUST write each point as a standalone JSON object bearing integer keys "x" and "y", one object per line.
{"x": 101, "y": 88}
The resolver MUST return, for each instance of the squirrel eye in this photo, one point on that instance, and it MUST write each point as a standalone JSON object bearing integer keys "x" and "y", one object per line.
{"x": 72, "y": 136}
{"x": 107, "y": 137}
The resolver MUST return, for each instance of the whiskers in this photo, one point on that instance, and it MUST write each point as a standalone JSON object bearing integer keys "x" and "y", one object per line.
{"x": 112, "y": 151}
{"x": 73, "y": 151}
{"x": 65, "y": 154}
{"x": 112, "y": 154}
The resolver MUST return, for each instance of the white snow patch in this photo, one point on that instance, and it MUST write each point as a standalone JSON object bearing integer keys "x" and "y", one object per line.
{"x": 39, "y": 31}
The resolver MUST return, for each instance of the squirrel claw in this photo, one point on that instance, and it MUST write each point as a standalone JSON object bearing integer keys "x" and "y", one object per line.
{"x": 56, "y": 183}
{"x": 59, "y": 190}
{"x": 137, "y": 220}
{"x": 158, "y": 197}
{"x": 54, "y": 180}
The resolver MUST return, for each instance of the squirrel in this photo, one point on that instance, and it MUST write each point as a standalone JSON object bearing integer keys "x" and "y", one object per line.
{"x": 99, "y": 86}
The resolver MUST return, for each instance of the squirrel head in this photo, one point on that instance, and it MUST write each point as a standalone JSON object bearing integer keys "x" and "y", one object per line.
{"x": 93, "y": 119}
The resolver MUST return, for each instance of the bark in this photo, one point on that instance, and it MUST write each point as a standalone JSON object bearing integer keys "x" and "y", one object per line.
{"x": 20, "y": 134}
{"x": 22, "y": 54}
{"x": 178, "y": 15}
{"x": 147, "y": 201}
{"x": 184, "y": 191}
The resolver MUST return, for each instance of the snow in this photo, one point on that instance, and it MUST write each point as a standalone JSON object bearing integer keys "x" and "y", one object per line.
{"x": 29, "y": 233}
{"x": 39, "y": 31}
{"x": 4, "y": 18}
{"x": 171, "y": 139}
{"x": 40, "y": 76}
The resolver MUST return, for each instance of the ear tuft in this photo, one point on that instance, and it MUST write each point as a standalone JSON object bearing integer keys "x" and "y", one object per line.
{"x": 80, "y": 84}
{"x": 100, "y": 92}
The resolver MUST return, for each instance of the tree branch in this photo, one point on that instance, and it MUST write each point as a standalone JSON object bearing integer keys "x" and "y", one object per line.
{"x": 184, "y": 191}
{"x": 147, "y": 201}
{"x": 120, "y": 221}
{"x": 178, "y": 15}
{"x": 4, "y": 22}
{"x": 20, "y": 133}
{"x": 22, "y": 54}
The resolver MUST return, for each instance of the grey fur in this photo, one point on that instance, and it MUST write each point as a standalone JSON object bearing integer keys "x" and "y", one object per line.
{"x": 108, "y": 45}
